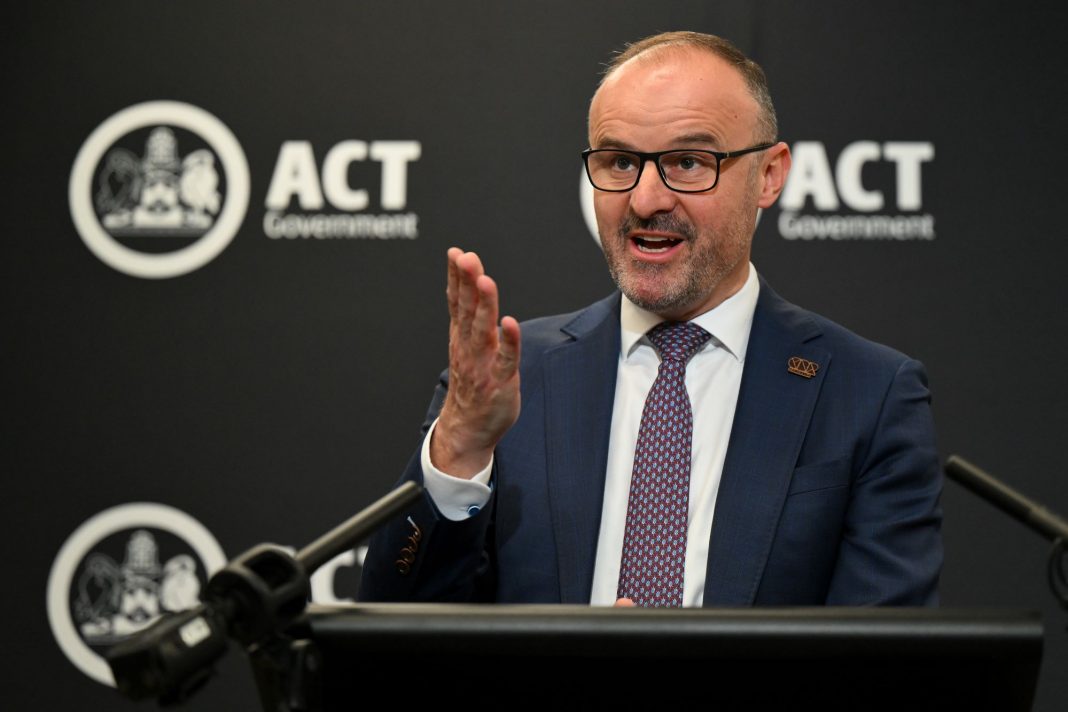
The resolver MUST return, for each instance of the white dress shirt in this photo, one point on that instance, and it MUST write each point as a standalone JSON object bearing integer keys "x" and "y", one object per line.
{"x": 713, "y": 378}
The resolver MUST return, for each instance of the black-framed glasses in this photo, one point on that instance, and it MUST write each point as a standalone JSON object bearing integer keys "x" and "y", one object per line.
{"x": 683, "y": 170}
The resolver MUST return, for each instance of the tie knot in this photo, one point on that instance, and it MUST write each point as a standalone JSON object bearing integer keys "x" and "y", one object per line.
{"x": 678, "y": 340}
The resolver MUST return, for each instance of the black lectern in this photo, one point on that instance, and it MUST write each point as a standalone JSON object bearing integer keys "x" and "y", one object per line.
{"x": 796, "y": 658}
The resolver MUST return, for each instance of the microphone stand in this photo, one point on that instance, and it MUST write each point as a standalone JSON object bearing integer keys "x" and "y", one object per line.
{"x": 1027, "y": 511}
{"x": 253, "y": 600}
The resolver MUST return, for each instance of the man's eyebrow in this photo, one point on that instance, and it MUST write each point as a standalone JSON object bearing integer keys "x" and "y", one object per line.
{"x": 609, "y": 142}
{"x": 698, "y": 138}
{"x": 691, "y": 139}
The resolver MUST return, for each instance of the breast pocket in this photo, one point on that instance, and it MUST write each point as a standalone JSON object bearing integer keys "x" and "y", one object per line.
{"x": 819, "y": 476}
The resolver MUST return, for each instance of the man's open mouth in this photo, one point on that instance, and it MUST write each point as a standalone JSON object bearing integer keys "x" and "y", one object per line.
{"x": 654, "y": 245}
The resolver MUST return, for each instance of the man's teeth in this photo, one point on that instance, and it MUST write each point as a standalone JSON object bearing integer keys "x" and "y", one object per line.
{"x": 654, "y": 245}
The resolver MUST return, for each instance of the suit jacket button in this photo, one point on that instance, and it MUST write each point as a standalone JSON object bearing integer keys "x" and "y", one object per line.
{"x": 403, "y": 568}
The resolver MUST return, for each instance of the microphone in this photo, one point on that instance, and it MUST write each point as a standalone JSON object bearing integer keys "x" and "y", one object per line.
{"x": 253, "y": 598}
{"x": 1008, "y": 500}
{"x": 173, "y": 658}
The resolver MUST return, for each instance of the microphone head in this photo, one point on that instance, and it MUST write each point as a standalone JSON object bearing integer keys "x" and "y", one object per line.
{"x": 172, "y": 658}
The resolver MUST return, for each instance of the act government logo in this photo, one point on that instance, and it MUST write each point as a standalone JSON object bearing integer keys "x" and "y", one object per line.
{"x": 360, "y": 191}
{"x": 159, "y": 189}
{"x": 119, "y": 572}
{"x": 867, "y": 190}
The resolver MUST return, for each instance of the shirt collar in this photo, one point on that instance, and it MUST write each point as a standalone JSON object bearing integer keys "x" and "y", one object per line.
{"x": 729, "y": 323}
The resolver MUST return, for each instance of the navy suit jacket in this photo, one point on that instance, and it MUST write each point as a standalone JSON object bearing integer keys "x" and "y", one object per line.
{"x": 829, "y": 493}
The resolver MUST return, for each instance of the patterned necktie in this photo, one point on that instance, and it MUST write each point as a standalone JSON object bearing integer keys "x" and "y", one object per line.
{"x": 654, "y": 544}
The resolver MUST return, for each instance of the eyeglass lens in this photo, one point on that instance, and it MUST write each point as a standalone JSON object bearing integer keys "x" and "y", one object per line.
{"x": 682, "y": 170}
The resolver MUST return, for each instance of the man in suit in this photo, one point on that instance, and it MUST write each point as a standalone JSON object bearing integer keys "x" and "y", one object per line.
{"x": 777, "y": 460}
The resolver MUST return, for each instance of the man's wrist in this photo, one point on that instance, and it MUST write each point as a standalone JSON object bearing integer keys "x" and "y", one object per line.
{"x": 449, "y": 455}
{"x": 455, "y": 498}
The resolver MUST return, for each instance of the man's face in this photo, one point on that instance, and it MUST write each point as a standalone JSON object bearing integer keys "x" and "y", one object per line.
{"x": 679, "y": 254}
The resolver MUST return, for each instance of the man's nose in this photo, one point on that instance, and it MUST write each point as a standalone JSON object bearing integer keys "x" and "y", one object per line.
{"x": 651, "y": 196}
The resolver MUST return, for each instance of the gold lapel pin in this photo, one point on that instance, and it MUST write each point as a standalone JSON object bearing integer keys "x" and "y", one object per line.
{"x": 802, "y": 367}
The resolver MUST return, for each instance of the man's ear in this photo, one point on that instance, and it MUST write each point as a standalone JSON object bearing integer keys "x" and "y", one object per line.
{"x": 775, "y": 168}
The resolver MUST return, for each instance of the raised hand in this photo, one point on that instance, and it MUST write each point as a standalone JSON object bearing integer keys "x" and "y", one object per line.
{"x": 483, "y": 397}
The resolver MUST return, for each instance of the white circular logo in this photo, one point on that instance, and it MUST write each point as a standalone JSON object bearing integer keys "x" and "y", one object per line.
{"x": 113, "y": 597}
{"x": 146, "y": 180}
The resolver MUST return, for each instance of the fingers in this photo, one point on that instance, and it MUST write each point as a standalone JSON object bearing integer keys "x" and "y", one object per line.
{"x": 508, "y": 351}
{"x": 474, "y": 309}
{"x": 468, "y": 269}
{"x": 453, "y": 285}
{"x": 484, "y": 323}
{"x": 623, "y": 603}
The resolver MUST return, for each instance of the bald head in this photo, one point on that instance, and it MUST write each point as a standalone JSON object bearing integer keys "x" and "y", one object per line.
{"x": 667, "y": 44}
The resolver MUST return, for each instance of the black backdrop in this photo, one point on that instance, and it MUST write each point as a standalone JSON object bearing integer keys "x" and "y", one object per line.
{"x": 275, "y": 389}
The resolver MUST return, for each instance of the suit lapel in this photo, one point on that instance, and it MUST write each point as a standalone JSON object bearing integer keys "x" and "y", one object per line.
{"x": 580, "y": 382}
{"x": 772, "y": 416}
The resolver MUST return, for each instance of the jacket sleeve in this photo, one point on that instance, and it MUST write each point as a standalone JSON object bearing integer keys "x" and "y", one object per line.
{"x": 421, "y": 556}
{"x": 891, "y": 546}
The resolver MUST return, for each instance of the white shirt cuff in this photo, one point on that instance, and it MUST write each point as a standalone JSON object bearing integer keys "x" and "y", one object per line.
{"x": 456, "y": 498}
